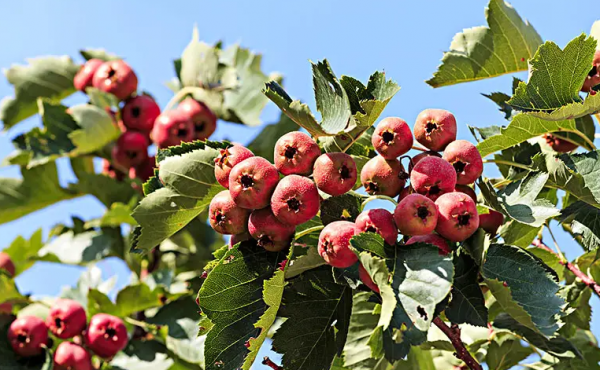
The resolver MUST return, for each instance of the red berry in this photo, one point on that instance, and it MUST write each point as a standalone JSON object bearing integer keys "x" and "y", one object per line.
{"x": 238, "y": 238}
{"x": 491, "y": 222}
{"x": 435, "y": 128}
{"x": 7, "y": 264}
{"x": 205, "y": 121}
{"x": 270, "y": 233}
{"x": 457, "y": 216}
{"x": 296, "y": 153}
{"x": 172, "y": 128}
{"x": 335, "y": 173}
{"x": 414, "y": 160}
{"x": 27, "y": 335}
{"x": 252, "y": 182}
{"x": 227, "y": 159}
{"x": 433, "y": 177}
{"x": 433, "y": 239}
{"x": 131, "y": 149}
{"x": 416, "y": 215}
{"x": 139, "y": 113}
{"x": 225, "y": 216}
{"x": 106, "y": 335}
{"x": 116, "y": 77}
{"x": 559, "y": 145}
{"x": 83, "y": 78}
{"x": 295, "y": 200}
{"x": 465, "y": 189}
{"x": 593, "y": 77}
{"x": 109, "y": 170}
{"x": 334, "y": 244}
{"x": 392, "y": 138}
{"x": 71, "y": 356}
{"x": 66, "y": 319}
{"x": 143, "y": 171}
{"x": 366, "y": 279}
{"x": 383, "y": 177}
{"x": 378, "y": 221}
{"x": 405, "y": 192}
{"x": 465, "y": 159}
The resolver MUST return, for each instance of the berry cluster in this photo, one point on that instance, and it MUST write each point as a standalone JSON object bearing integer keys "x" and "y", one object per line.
{"x": 141, "y": 121}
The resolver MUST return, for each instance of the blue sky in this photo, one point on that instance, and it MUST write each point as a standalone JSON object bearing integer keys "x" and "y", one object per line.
{"x": 405, "y": 39}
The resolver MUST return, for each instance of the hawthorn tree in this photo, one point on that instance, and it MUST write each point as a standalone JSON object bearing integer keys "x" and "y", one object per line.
{"x": 455, "y": 277}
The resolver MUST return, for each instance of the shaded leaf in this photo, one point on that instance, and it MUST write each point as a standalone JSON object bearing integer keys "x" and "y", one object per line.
{"x": 505, "y": 353}
{"x": 467, "y": 305}
{"x": 345, "y": 207}
{"x": 584, "y": 221}
{"x": 22, "y": 252}
{"x": 78, "y": 249}
{"x": 364, "y": 319}
{"x": 98, "y": 54}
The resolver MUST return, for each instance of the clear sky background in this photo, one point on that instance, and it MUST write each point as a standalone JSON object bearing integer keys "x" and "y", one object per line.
{"x": 404, "y": 38}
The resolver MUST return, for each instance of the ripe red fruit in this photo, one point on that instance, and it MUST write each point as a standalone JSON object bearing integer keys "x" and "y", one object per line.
{"x": 366, "y": 279}
{"x": 225, "y": 216}
{"x": 111, "y": 171}
{"x": 27, "y": 335}
{"x": 131, "y": 149}
{"x": 139, "y": 113}
{"x": 465, "y": 159}
{"x": 457, "y": 216}
{"x": 71, "y": 356}
{"x": 295, "y": 200}
{"x": 559, "y": 145}
{"x": 7, "y": 264}
{"x": 237, "y": 238}
{"x": 116, "y": 77}
{"x": 252, "y": 182}
{"x": 405, "y": 192}
{"x": 66, "y": 319}
{"x": 433, "y": 239}
{"x": 269, "y": 232}
{"x": 414, "y": 160}
{"x": 334, "y": 244}
{"x": 205, "y": 121}
{"x": 335, "y": 173}
{"x": 491, "y": 222}
{"x": 172, "y": 128}
{"x": 435, "y": 128}
{"x": 296, "y": 153}
{"x": 378, "y": 221}
{"x": 593, "y": 77}
{"x": 466, "y": 190}
{"x": 143, "y": 171}
{"x": 383, "y": 177}
{"x": 416, "y": 215}
{"x": 83, "y": 78}
{"x": 227, "y": 159}
{"x": 432, "y": 177}
{"x": 392, "y": 138}
{"x": 106, "y": 335}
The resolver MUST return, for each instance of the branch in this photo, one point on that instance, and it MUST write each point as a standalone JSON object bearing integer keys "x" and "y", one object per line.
{"x": 453, "y": 333}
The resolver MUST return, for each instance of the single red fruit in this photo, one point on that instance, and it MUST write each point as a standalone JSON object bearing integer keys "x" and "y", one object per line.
{"x": 106, "y": 335}
{"x": 405, "y": 192}
{"x": 143, "y": 171}
{"x": 71, "y": 356}
{"x": 383, "y": 177}
{"x": 416, "y": 215}
{"x": 465, "y": 189}
{"x": 559, "y": 145}
{"x": 238, "y": 238}
{"x": 7, "y": 264}
{"x": 227, "y": 159}
{"x": 334, "y": 244}
{"x": 252, "y": 182}
{"x": 269, "y": 232}
{"x": 225, "y": 216}
{"x": 414, "y": 160}
{"x": 83, "y": 78}
{"x": 433, "y": 239}
{"x": 27, "y": 335}
{"x": 366, "y": 279}
{"x": 491, "y": 222}
{"x": 111, "y": 171}
{"x": 465, "y": 159}
{"x": 457, "y": 216}
{"x": 392, "y": 138}
{"x": 593, "y": 77}
{"x": 433, "y": 177}
{"x": 6, "y": 308}
{"x": 139, "y": 113}
{"x": 295, "y": 200}
{"x": 435, "y": 128}
{"x": 116, "y": 77}
{"x": 172, "y": 128}
{"x": 131, "y": 149}
{"x": 66, "y": 319}
{"x": 296, "y": 153}
{"x": 205, "y": 121}
{"x": 378, "y": 221}
{"x": 335, "y": 173}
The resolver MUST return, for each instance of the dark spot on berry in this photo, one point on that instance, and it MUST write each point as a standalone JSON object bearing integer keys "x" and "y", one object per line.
{"x": 422, "y": 212}
{"x": 290, "y": 152}
{"x": 247, "y": 181}
{"x": 22, "y": 338}
{"x": 326, "y": 245}
{"x": 110, "y": 332}
{"x": 294, "y": 204}
{"x": 220, "y": 218}
{"x": 131, "y": 154}
{"x": 434, "y": 190}
{"x": 163, "y": 299}
{"x": 371, "y": 187}
{"x": 111, "y": 73}
{"x": 430, "y": 127}
{"x": 422, "y": 312}
{"x": 265, "y": 241}
{"x": 403, "y": 175}
{"x": 463, "y": 220}
{"x": 593, "y": 71}
{"x": 388, "y": 137}
{"x": 136, "y": 111}
{"x": 199, "y": 127}
{"x": 371, "y": 229}
{"x": 182, "y": 132}
{"x": 344, "y": 172}
{"x": 459, "y": 166}
{"x": 59, "y": 324}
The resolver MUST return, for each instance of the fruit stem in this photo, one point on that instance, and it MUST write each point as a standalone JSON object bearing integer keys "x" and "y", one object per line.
{"x": 308, "y": 231}
{"x": 180, "y": 95}
{"x": 419, "y": 148}
{"x": 267, "y": 361}
{"x": 374, "y": 197}
{"x": 453, "y": 333}
{"x": 508, "y": 163}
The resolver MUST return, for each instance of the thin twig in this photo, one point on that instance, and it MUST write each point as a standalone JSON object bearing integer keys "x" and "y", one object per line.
{"x": 453, "y": 333}
{"x": 267, "y": 361}
{"x": 419, "y": 148}
{"x": 508, "y": 163}
{"x": 300, "y": 234}
{"x": 375, "y": 197}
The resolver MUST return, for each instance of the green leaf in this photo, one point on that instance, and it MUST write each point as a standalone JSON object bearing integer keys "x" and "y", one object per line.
{"x": 140, "y": 355}
{"x": 483, "y": 52}
{"x": 310, "y": 261}
{"x": 501, "y": 100}
{"x": 47, "y": 77}
{"x": 552, "y": 92}
{"x": 10, "y": 361}
{"x": 503, "y": 354}
{"x": 518, "y": 234}
{"x": 363, "y": 321}
{"x": 199, "y": 63}
{"x": 467, "y": 305}
{"x": 343, "y": 207}
{"x": 264, "y": 142}
{"x": 106, "y": 189}
{"x": 98, "y": 54}
{"x": 476, "y": 245}
{"x": 584, "y": 221}
{"x": 131, "y": 299}
{"x": 102, "y": 99}
{"x": 23, "y": 252}
{"x": 88, "y": 280}
{"x": 522, "y": 153}
{"x": 522, "y": 286}
{"x": 8, "y": 287}
{"x": 117, "y": 215}
{"x": 78, "y": 249}
{"x": 97, "y": 128}
{"x": 318, "y": 314}
{"x": 550, "y": 259}
{"x": 379, "y": 273}
{"x": 578, "y": 312}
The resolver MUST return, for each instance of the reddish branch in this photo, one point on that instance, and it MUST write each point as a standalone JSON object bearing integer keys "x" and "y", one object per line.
{"x": 453, "y": 333}
{"x": 267, "y": 361}
{"x": 574, "y": 269}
